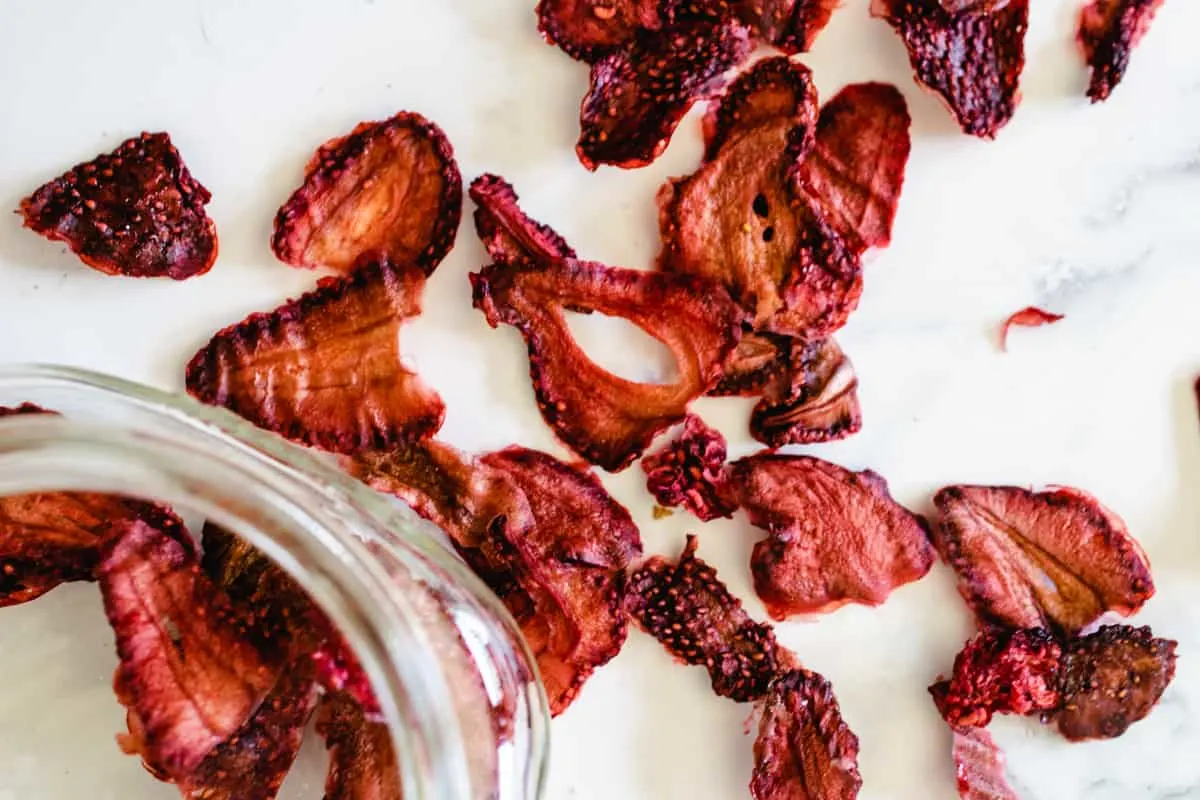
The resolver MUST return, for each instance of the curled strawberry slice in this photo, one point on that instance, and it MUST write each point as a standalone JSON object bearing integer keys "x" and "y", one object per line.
{"x": 979, "y": 766}
{"x": 325, "y": 370}
{"x": 1109, "y": 30}
{"x": 835, "y": 536}
{"x": 362, "y": 759}
{"x": 972, "y": 57}
{"x": 507, "y": 233}
{"x": 1055, "y": 559}
{"x": 686, "y": 607}
{"x": 690, "y": 472}
{"x": 588, "y": 30}
{"x": 758, "y": 359}
{"x": 387, "y": 190}
{"x": 136, "y": 211}
{"x": 804, "y": 750}
{"x": 813, "y": 399}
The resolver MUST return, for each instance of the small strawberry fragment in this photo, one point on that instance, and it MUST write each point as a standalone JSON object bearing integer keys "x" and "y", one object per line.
{"x": 790, "y": 25}
{"x": 686, "y": 607}
{"x": 1056, "y": 559}
{"x": 362, "y": 759}
{"x": 1026, "y": 318}
{"x": 971, "y": 57}
{"x": 136, "y": 212}
{"x": 690, "y": 472}
{"x": 814, "y": 399}
{"x": 979, "y": 766}
{"x": 507, "y": 233}
{"x": 835, "y": 536}
{"x": 339, "y": 670}
{"x": 804, "y": 750}
{"x": 326, "y": 370}
{"x": 588, "y": 30}
{"x": 388, "y": 190}
{"x": 1109, "y": 30}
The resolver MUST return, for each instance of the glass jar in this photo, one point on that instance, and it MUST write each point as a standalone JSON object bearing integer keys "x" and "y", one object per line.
{"x": 443, "y": 655}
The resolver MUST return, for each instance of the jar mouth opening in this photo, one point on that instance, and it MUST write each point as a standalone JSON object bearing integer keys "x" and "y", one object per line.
{"x": 330, "y": 533}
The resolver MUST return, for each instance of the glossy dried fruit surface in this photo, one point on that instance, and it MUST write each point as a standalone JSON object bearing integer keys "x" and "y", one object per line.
{"x": 1026, "y": 318}
{"x": 508, "y": 234}
{"x": 1111, "y": 679}
{"x": 835, "y": 536}
{"x": 971, "y": 58}
{"x": 362, "y": 760}
{"x": 1109, "y": 30}
{"x": 699, "y": 621}
{"x": 588, "y": 30}
{"x": 690, "y": 472}
{"x": 136, "y": 211}
{"x": 606, "y": 419}
{"x": 388, "y": 190}
{"x": 1001, "y": 672}
{"x": 742, "y": 219}
{"x": 187, "y": 677}
{"x": 979, "y": 766}
{"x": 1055, "y": 559}
{"x": 804, "y": 750}
{"x": 639, "y": 94}
{"x": 856, "y": 166}
{"x": 813, "y": 399}
{"x": 326, "y": 370}
{"x": 790, "y": 25}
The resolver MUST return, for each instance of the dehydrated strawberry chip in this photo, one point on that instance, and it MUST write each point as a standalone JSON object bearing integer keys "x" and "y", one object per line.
{"x": 744, "y": 221}
{"x": 639, "y": 93}
{"x": 1030, "y": 317}
{"x": 804, "y": 750}
{"x": 979, "y": 766}
{"x": 187, "y": 677}
{"x": 362, "y": 759}
{"x": 136, "y": 212}
{"x": 686, "y": 607}
{"x": 588, "y": 30}
{"x": 690, "y": 472}
{"x": 855, "y": 168}
{"x": 790, "y": 25}
{"x": 1001, "y": 672}
{"x": 815, "y": 399}
{"x": 388, "y": 190}
{"x": 606, "y": 419}
{"x": 835, "y": 536}
{"x": 1109, "y": 30}
{"x": 1111, "y": 679}
{"x": 1055, "y": 559}
{"x": 325, "y": 370}
{"x": 509, "y": 235}
{"x": 971, "y": 58}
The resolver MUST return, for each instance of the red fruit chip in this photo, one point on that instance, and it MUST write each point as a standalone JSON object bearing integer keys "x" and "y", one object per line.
{"x": 1055, "y": 559}
{"x": 388, "y": 190}
{"x": 362, "y": 760}
{"x": 1109, "y": 30}
{"x": 979, "y": 766}
{"x": 639, "y": 93}
{"x": 790, "y": 25}
{"x": 836, "y": 536}
{"x": 509, "y": 235}
{"x": 693, "y": 614}
{"x": 814, "y": 399}
{"x": 804, "y": 749}
{"x": 136, "y": 212}
{"x": 1026, "y": 318}
{"x": 588, "y": 30}
{"x": 325, "y": 370}
{"x": 690, "y": 472}
{"x": 187, "y": 677}
{"x": 971, "y": 58}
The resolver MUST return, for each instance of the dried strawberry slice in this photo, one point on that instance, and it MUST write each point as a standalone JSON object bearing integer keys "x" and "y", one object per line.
{"x": 136, "y": 212}
{"x": 188, "y": 678}
{"x": 690, "y": 472}
{"x": 804, "y": 750}
{"x": 1055, "y": 559}
{"x": 388, "y": 190}
{"x": 362, "y": 759}
{"x": 686, "y": 607}
{"x": 1001, "y": 672}
{"x": 836, "y": 536}
{"x": 1026, "y": 318}
{"x": 1109, "y": 30}
{"x": 606, "y": 419}
{"x": 972, "y": 58}
{"x": 252, "y": 764}
{"x": 639, "y": 93}
{"x": 814, "y": 400}
{"x": 790, "y": 25}
{"x": 979, "y": 766}
{"x": 856, "y": 166}
{"x": 1111, "y": 679}
{"x": 743, "y": 220}
{"x": 588, "y": 30}
{"x": 509, "y": 235}
{"x": 325, "y": 370}
{"x": 758, "y": 359}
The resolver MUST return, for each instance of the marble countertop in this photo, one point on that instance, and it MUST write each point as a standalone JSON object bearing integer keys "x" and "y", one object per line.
{"x": 1093, "y": 212}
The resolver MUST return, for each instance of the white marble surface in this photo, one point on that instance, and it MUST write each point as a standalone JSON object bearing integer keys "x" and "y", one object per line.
{"x": 1091, "y": 212}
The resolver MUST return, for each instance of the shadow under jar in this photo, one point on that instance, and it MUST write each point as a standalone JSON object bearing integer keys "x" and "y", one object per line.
{"x": 455, "y": 682}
